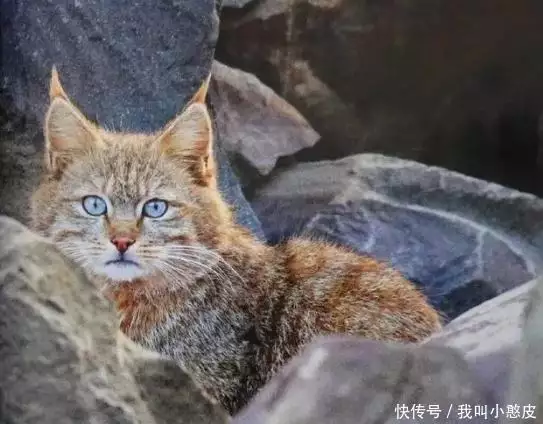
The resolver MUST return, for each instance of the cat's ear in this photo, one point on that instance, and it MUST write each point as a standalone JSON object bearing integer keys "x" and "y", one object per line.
{"x": 55, "y": 87}
{"x": 201, "y": 94}
{"x": 67, "y": 132}
{"x": 189, "y": 138}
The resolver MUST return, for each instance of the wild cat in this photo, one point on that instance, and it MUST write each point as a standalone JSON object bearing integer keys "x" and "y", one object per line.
{"x": 141, "y": 213}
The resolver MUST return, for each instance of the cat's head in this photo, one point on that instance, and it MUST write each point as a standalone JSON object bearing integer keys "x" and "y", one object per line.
{"x": 129, "y": 206}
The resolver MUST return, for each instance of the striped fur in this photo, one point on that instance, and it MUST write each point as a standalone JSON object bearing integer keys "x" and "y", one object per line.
{"x": 227, "y": 307}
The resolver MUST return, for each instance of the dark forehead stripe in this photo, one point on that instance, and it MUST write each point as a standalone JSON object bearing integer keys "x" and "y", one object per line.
{"x": 128, "y": 171}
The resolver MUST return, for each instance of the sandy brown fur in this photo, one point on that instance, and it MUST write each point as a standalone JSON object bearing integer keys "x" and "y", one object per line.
{"x": 247, "y": 308}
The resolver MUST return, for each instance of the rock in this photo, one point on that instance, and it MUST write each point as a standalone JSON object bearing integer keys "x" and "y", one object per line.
{"x": 255, "y": 122}
{"x": 454, "y": 85}
{"x": 494, "y": 325}
{"x": 488, "y": 335}
{"x": 443, "y": 230}
{"x": 238, "y": 4}
{"x": 349, "y": 381}
{"x": 527, "y": 372}
{"x": 62, "y": 360}
{"x": 489, "y": 357}
{"x": 130, "y": 66}
{"x": 21, "y": 159}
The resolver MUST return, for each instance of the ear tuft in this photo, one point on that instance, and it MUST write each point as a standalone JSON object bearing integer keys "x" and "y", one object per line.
{"x": 55, "y": 87}
{"x": 201, "y": 94}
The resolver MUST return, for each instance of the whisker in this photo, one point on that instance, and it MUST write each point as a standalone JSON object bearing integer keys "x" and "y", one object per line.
{"x": 189, "y": 259}
{"x": 219, "y": 273}
{"x": 174, "y": 272}
{"x": 224, "y": 262}
{"x": 181, "y": 263}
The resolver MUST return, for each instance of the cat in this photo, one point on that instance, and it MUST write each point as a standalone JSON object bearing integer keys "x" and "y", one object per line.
{"x": 142, "y": 215}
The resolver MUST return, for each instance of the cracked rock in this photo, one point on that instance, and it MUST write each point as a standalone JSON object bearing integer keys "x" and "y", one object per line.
{"x": 462, "y": 239}
{"x": 62, "y": 360}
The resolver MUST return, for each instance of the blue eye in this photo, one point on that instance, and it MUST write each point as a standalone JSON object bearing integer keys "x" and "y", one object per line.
{"x": 155, "y": 208}
{"x": 94, "y": 205}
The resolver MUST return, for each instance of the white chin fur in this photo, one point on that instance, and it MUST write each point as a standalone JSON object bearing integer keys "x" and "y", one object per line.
{"x": 122, "y": 272}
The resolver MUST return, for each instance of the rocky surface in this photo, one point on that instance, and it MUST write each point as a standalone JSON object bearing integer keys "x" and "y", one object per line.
{"x": 254, "y": 122}
{"x": 236, "y": 3}
{"x": 463, "y": 240}
{"x": 489, "y": 357}
{"x": 128, "y": 67}
{"x": 21, "y": 160}
{"x": 488, "y": 337}
{"x": 495, "y": 325}
{"x": 526, "y": 387}
{"x": 63, "y": 360}
{"x": 348, "y": 381}
{"x": 452, "y": 84}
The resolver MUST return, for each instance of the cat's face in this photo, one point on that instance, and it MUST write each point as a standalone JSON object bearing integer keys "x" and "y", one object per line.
{"x": 129, "y": 206}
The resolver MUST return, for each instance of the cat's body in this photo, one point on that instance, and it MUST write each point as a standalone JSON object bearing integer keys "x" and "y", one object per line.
{"x": 191, "y": 283}
{"x": 233, "y": 338}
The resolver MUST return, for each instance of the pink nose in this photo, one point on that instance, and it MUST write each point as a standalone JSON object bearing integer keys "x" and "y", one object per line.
{"x": 122, "y": 243}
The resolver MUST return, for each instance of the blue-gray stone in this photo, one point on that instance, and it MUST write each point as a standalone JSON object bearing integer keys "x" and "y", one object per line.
{"x": 461, "y": 239}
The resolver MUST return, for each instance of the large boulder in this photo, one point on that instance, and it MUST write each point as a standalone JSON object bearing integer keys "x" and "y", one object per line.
{"x": 351, "y": 381}
{"x": 254, "y": 122}
{"x": 489, "y": 336}
{"x": 128, "y": 66}
{"x": 484, "y": 367}
{"x": 463, "y": 240}
{"x": 62, "y": 359}
{"x": 526, "y": 381}
{"x": 455, "y": 84}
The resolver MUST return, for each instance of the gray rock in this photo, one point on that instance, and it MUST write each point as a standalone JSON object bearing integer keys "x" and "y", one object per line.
{"x": 21, "y": 159}
{"x": 487, "y": 359}
{"x": 526, "y": 388}
{"x": 396, "y": 78}
{"x": 62, "y": 360}
{"x": 352, "y": 381}
{"x": 130, "y": 66}
{"x": 496, "y": 324}
{"x": 237, "y": 4}
{"x": 445, "y": 231}
{"x": 254, "y": 122}
{"x": 488, "y": 336}
{"x": 502, "y": 340}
